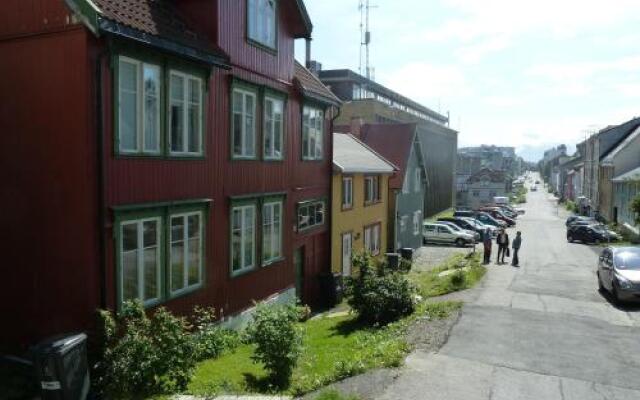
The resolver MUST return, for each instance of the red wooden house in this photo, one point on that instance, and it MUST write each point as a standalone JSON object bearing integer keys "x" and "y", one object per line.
{"x": 166, "y": 150}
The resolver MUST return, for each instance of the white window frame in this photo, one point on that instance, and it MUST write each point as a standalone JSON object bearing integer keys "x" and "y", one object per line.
{"x": 372, "y": 239}
{"x": 139, "y": 222}
{"x": 185, "y": 256}
{"x": 276, "y": 246}
{"x": 272, "y": 154}
{"x": 140, "y": 108}
{"x": 372, "y": 190}
{"x": 244, "y": 153}
{"x": 244, "y": 267}
{"x": 417, "y": 216}
{"x": 346, "y": 258}
{"x": 347, "y": 192}
{"x": 309, "y": 152}
{"x": 261, "y": 21}
{"x": 187, "y": 78}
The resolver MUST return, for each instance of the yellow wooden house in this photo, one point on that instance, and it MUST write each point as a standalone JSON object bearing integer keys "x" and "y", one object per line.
{"x": 359, "y": 201}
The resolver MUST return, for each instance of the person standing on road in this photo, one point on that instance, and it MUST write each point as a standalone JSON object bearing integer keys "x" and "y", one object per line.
{"x": 503, "y": 246}
{"x": 517, "y": 242}
{"x": 486, "y": 240}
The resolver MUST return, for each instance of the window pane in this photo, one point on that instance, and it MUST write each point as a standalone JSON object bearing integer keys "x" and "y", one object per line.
{"x": 194, "y": 261}
{"x": 129, "y": 261}
{"x": 237, "y": 134}
{"x": 194, "y": 225}
{"x": 236, "y": 239}
{"x": 177, "y": 113}
{"x": 194, "y": 116}
{"x": 128, "y": 78}
{"x": 277, "y": 231}
{"x": 177, "y": 253}
{"x": 151, "y": 81}
{"x": 249, "y": 125}
{"x": 249, "y": 221}
{"x": 150, "y": 273}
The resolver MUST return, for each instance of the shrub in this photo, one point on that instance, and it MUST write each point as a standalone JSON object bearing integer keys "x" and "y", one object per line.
{"x": 143, "y": 356}
{"x": 377, "y": 294}
{"x": 211, "y": 341}
{"x": 277, "y": 336}
{"x": 635, "y": 207}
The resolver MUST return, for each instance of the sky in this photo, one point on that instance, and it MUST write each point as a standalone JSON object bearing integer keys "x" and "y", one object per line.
{"x": 529, "y": 74}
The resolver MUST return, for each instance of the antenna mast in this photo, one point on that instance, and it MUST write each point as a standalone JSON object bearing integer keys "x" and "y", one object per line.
{"x": 365, "y": 37}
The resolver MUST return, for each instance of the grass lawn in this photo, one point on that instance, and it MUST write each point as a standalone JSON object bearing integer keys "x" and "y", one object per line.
{"x": 335, "y": 348}
{"x": 430, "y": 284}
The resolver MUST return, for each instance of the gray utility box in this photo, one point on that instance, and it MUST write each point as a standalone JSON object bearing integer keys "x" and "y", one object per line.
{"x": 61, "y": 367}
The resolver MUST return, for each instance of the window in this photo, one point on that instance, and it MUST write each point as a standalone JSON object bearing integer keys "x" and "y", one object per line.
{"x": 475, "y": 193}
{"x": 418, "y": 180}
{"x": 138, "y": 107}
{"x": 310, "y": 214}
{"x": 347, "y": 252}
{"x": 372, "y": 239}
{"x": 186, "y": 251}
{"x": 243, "y": 232}
{"x": 417, "y": 221}
{"x": 347, "y": 192}
{"x": 312, "y": 133}
{"x": 261, "y": 22}
{"x": 404, "y": 220}
{"x": 371, "y": 189}
{"x": 185, "y": 115}
{"x": 271, "y": 231}
{"x": 243, "y": 124}
{"x": 273, "y": 127}
{"x": 140, "y": 271}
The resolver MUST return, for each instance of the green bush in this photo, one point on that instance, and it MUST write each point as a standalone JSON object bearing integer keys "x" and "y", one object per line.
{"x": 211, "y": 341}
{"x": 635, "y": 207}
{"x": 144, "y": 356}
{"x": 377, "y": 294}
{"x": 275, "y": 332}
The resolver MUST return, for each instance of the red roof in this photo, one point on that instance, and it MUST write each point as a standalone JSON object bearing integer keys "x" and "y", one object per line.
{"x": 312, "y": 87}
{"x": 393, "y": 142}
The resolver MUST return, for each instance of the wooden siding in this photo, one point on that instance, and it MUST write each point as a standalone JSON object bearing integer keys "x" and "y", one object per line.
{"x": 28, "y": 17}
{"x": 50, "y": 242}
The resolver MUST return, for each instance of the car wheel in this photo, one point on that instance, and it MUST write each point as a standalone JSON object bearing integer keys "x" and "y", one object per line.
{"x": 460, "y": 242}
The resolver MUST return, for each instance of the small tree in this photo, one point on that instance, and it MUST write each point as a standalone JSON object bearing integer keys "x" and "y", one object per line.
{"x": 278, "y": 338}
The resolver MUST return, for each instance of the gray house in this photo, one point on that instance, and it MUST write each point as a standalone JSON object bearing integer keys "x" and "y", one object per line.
{"x": 483, "y": 186}
{"x": 400, "y": 144}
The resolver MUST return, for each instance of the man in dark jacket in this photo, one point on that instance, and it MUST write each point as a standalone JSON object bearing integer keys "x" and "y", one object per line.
{"x": 503, "y": 246}
{"x": 517, "y": 242}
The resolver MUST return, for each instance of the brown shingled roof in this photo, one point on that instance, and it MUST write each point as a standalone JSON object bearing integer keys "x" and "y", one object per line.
{"x": 312, "y": 87}
{"x": 393, "y": 142}
{"x": 158, "y": 18}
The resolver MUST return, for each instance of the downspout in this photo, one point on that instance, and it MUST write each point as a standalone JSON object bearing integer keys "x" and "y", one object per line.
{"x": 102, "y": 263}
{"x": 331, "y": 193}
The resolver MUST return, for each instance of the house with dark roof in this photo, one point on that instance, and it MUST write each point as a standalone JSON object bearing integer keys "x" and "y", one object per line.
{"x": 400, "y": 144}
{"x": 167, "y": 151}
{"x": 484, "y": 185}
{"x": 359, "y": 202}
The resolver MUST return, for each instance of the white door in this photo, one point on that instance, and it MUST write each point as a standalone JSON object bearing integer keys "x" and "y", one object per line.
{"x": 347, "y": 247}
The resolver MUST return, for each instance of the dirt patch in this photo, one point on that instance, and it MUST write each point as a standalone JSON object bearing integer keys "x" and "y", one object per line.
{"x": 429, "y": 257}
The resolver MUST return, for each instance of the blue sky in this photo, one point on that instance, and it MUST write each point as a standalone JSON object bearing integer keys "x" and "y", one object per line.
{"x": 520, "y": 73}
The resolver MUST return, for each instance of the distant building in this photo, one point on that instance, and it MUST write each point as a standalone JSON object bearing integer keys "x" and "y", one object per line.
{"x": 483, "y": 186}
{"x": 365, "y": 101}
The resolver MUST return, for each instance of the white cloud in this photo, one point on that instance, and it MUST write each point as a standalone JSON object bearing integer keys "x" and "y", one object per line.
{"x": 427, "y": 83}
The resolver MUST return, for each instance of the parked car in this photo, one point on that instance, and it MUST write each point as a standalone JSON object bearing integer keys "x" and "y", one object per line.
{"x": 499, "y": 215}
{"x": 464, "y": 224}
{"x": 585, "y": 234}
{"x": 481, "y": 226}
{"x": 612, "y": 236}
{"x": 619, "y": 273}
{"x": 456, "y": 227}
{"x": 440, "y": 233}
{"x": 489, "y": 220}
{"x": 533, "y": 188}
{"x": 573, "y": 218}
{"x": 464, "y": 213}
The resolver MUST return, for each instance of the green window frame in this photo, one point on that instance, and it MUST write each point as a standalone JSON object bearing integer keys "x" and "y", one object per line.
{"x": 143, "y": 81}
{"x": 271, "y": 230}
{"x": 311, "y": 214}
{"x": 312, "y": 133}
{"x": 262, "y": 23}
{"x": 243, "y": 235}
{"x": 243, "y": 121}
{"x": 273, "y": 117}
{"x": 186, "y": 251}
{"x": 162, "y": 214}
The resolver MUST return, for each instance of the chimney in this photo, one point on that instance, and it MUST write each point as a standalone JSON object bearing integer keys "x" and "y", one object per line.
{"x": 307, "y": 58}
{"x": 356, "y": 127}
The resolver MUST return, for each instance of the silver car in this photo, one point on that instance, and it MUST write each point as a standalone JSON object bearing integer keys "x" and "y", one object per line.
{"x": 619, "y": 273}
{"x": 455, "y": 227}
{"x": 440, "y": 233}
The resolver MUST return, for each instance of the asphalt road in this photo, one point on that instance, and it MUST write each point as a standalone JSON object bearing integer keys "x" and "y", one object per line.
{"x": 538, "y": 332}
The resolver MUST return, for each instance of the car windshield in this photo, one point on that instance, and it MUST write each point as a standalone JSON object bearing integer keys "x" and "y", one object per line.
{"x": 628, "y": 260}
{"x": 453, "y": 226}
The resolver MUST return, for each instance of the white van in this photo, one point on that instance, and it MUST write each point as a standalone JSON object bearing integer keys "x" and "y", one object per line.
{"x": 500, "y": 200}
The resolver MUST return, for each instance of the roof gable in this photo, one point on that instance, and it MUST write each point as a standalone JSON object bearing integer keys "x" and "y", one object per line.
{"x": 350, "y": 155}
{"x": 311, "y": 87}
{"x": 611, "y": 137}
{"x": 635, "y": 135}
